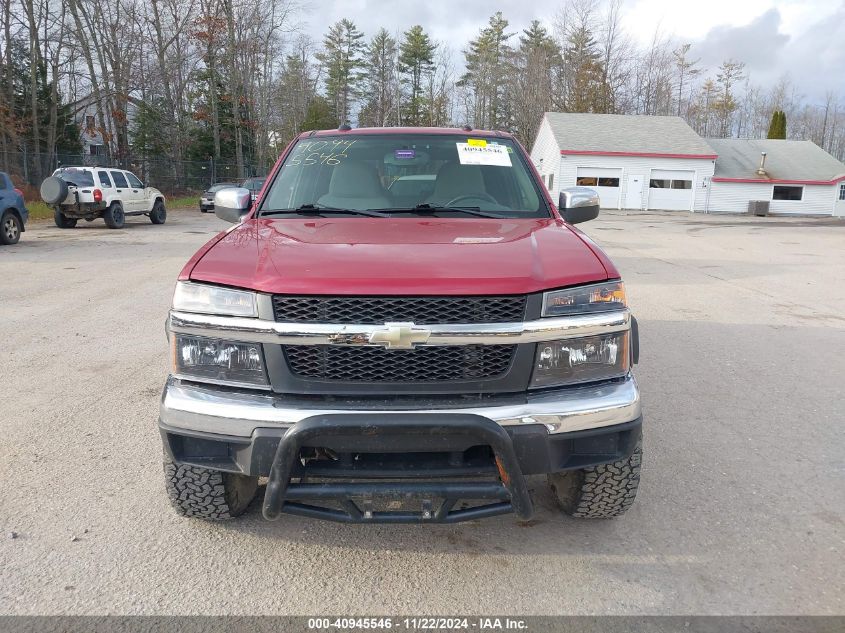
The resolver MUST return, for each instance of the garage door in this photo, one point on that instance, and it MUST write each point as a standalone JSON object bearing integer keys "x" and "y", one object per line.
{"x": 604, "y": 181}
{"x": 671, "y": 189}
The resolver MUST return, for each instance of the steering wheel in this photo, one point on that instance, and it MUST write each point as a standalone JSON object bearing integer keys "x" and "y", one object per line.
{"x": 475, "y": 196}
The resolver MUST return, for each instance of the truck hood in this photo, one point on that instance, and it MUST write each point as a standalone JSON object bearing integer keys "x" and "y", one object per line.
{"x": 399, "y": 256}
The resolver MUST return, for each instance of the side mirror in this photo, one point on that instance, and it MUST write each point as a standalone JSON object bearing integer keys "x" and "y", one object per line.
{"x": 232, "y": 204}
{"x": 579, "y": 204}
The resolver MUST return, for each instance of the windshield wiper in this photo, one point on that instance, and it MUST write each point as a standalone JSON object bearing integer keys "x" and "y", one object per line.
{"x": 434, "y": 208}
{"x": 319, "y": 209}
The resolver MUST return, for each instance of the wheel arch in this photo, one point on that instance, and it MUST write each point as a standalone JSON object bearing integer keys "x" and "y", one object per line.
{"x": 17, "y": 214}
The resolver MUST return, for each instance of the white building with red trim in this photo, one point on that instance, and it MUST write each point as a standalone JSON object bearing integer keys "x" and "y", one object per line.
{"x": 796, "y": 177}
{"x": 634, "y": 162}
{"x": 660, "y": 163}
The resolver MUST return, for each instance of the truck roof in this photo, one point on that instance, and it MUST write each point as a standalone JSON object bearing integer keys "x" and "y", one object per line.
{"x": 445, "y": 131}
{"x": 89, "y": 167}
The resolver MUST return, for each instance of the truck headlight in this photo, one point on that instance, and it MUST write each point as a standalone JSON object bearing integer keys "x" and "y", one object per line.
{"x": 207, "y": 299}
{"x": 218, "y": 361}
{"x": 603, "y": 297}
{"x": 581, "y": 360}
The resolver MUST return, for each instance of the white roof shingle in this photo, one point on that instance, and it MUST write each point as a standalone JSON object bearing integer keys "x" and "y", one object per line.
{"x": 624, "y": 133}
{"x": 785, "y": 160}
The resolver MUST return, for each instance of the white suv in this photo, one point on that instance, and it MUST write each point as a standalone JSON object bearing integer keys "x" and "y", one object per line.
{"x": 87, "y": 193}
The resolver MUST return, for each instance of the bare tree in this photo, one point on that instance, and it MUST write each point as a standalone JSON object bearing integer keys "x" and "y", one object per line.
{"x": 186, "y": 80}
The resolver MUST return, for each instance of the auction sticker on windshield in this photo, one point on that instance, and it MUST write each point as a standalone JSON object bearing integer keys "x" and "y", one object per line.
{"x": 488, "y": 154}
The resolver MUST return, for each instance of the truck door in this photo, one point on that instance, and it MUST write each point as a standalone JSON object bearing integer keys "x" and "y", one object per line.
{"x": 136, "y": 189}
{"x": 122, "y": 189}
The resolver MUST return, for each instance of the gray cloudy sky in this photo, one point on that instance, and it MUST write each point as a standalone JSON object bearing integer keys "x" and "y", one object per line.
{"x": 802, "y": 38}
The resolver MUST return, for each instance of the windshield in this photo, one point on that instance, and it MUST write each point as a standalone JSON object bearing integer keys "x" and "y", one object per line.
{"x": 78, "y": 177}
{"x": 393, "y": 173}
{"x": 221, "y": 185}
{"x": 253, "y": 184}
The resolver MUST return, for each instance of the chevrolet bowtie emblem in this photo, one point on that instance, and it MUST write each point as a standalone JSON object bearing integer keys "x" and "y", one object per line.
{"x": 400, "y": 336}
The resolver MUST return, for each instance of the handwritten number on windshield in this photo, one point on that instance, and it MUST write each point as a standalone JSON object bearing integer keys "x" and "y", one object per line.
{"x": 312, "y": 152}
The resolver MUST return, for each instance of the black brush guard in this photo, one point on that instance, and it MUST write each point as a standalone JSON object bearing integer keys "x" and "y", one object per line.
{"x": 373, "y": 433}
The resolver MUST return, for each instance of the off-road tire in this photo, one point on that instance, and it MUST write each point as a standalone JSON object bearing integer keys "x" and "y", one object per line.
{"x": 62, "y": 221}
{"x": 159, "y": 214}
{"x": 10, "y": 228}
{"x": 208, "y": 494}
{"x": 114, "y": 216}
{"x": 599, "y": 492}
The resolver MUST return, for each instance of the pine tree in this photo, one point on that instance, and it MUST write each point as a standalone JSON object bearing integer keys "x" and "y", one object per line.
{"x": 774, "y": 124}
{"x": 342, "y": 60}
{"x": 380, "y": 81}
{"x": 146, "y": 133}
{"x": 777, "y": 128}
{"x": 531, "y": 79}
{"x": 17, "y": 115}
{"x": 319, "y": 115}
{"x": 730, "y": 72}
{"x": 487, "y": 61}
{"x": 686, "y": 69}
{"x": 581, "y": 56}
{"x": 416, "y": 61}
{"x": 296, "y": 89}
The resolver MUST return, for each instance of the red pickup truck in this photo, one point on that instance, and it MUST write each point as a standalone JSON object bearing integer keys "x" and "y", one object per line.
{"x": 402, "y": 328}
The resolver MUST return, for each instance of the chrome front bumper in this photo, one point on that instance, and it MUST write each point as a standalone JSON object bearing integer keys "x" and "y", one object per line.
{"x": 207, "y": 409}
{"x": 265, "y": 330}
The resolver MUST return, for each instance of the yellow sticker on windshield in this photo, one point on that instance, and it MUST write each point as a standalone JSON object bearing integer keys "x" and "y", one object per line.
{"x": 476, "y": 142}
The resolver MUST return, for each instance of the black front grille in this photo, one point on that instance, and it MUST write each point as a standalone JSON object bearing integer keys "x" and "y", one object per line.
{"x": 377, "y": 364}
{"x": 377, "y": 310}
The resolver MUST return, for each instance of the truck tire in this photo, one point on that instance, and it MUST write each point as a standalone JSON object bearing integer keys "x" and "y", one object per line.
{"x": 114, "y": 216}
{"x": 208, "y": 494}
{"x": 599, "y": 492}
{"x": 53, "y": 190}
{"x": 62, "y": 221}
{"x": 10, "y": 228}
{"x": 159, "y": 214}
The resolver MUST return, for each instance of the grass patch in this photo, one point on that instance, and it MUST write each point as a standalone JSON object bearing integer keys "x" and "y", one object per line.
{"x": 183, "y": 202}
{"x": 39, "y": 210}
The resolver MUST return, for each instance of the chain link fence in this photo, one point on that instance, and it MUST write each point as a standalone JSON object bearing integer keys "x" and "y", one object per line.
{"x": 172, "y": 177}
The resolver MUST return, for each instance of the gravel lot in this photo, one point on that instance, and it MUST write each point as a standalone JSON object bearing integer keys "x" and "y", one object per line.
{"x": 742, "y": 497}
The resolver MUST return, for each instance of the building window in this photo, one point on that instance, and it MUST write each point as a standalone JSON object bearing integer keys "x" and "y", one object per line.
{"x": 597, "y": 181}
{"x": 97, "y": 150}
{"x": 842, "y": 192}
{"x": 665, "y": 183}
{"x": 551, "y": 181}
{"x": 89, "y": 122}
{"x": 787, "y": 192}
